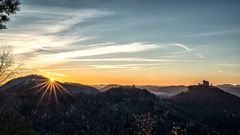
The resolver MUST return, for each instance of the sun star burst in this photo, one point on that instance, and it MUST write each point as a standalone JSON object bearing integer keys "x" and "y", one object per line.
{"x": 50, "y": 87}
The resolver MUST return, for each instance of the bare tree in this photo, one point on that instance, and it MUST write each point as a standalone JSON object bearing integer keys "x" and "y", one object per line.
{"x": 8, "y": 67}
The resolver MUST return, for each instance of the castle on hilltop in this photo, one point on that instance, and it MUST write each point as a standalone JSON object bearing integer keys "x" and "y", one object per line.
{"x": 205, "y": 84}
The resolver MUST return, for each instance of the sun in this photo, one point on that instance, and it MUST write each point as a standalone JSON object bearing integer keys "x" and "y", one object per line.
{"x": 50, "y": 87}
{"x": 52, "y": 80}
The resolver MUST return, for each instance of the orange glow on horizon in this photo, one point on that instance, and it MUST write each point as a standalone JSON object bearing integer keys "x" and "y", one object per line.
{"x": 165, "y": 81}
{"x": 91, "y": 77}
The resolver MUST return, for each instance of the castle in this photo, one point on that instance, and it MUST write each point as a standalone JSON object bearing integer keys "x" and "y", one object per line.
{"x": 205, "y": 84}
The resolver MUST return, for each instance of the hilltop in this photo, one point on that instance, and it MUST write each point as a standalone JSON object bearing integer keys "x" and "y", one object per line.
{"x": 211, "y": 106}
{"x": 34, "y": 82}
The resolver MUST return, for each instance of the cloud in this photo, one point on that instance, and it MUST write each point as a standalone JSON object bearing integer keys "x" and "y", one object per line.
{"x": 200, "y": 56}
{"x": 229, "y": 65}
{"x": 219, "y": 70}
{"x": 115, "y": 52}
{"x": 48, "y": 27}
{"x": 69, "y": 3}
{"x": 137, "y": 60}
{"x": 104, "y": 49}
{"x": 187, "y": 50}
{"x": 183, "y": 46}
{"x": 56, "y": 19}
{"x": 55, "y": 74}
{"x": 214, "y": 33}
{"x": 54, "y": 35}
{"x": 123, "y": 66}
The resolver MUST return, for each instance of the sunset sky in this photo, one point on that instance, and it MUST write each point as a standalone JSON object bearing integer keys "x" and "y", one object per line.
{"x": 128, "y": 41}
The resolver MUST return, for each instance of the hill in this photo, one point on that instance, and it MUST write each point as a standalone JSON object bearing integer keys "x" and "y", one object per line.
{"x": 123, "y": 110}
{"x": 160, "y": 91}
{"x": 31, "y": 82}
{"x": 211, "y": 106}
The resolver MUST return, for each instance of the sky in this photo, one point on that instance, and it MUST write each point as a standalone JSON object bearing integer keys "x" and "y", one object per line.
{"x": 152, "y": 42}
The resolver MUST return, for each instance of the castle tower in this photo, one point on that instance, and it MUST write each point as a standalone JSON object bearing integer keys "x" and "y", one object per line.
{"x": 205, "y": 83}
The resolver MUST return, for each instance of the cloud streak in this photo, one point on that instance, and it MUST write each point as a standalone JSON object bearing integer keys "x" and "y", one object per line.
{"x": 105, "y": 49}
{"x": 214, "y": 33}
{"x": 55, "y": 74}
{"x": 48, "y": 27}
{"x": 183, "y": 46}
{"x": 187, "y": 50}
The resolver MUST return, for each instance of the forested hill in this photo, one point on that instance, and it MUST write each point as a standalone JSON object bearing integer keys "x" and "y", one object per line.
{"x": 120, "y": 111}
{"x": 211, "y": 106}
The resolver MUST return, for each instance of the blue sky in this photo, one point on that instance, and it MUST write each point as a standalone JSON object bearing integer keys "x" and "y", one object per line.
{"x": 167, "y": 42}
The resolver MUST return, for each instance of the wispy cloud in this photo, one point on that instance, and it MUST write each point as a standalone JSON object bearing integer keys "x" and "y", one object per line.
{"x": 48, "y": 27}
{"x": 219, "y": 70}
{"x": 55, "y": 74}
{"x": 104, "y": 49}
{"x": 214, "y": 33}
{"x": 123, "y": 66}
{"x": 183, "y": 46}
{"x": 137, "y": 60}
{"x": 200, "y": 56}
{"x": 187, "y": 50}
{"x": 52, "y": 35}
{"x": 57, "y": 19}
{"x": 93, "y": 53}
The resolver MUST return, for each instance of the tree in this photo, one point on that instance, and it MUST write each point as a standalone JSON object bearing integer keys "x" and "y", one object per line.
{"x": 7, "y": 7}
{"x": 12, "y": 123}
{"x": 8, "y": 67}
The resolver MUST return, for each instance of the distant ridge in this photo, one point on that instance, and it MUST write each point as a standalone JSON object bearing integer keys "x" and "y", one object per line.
{"x": 26, "y": 82}
{"x": 233, "y": 89}
{"x": 168, "y": 91}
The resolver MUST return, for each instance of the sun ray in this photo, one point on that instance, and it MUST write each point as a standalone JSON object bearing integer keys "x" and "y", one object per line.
{"x": 55, "y": 95}
{"x": 42, "y": 96}
{"x": 50, "y": 87}
{"x": 50, "y": 91}
{"x": 59, "y": 89}
{"x": 36, "y": 86}
{"x": 40, "y": 89}
{"x": 39, "y": 85}
{"x": 64, "y": 89}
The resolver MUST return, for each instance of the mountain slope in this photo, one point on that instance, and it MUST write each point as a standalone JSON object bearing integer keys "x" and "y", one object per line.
{"x": 32, "y": 81}
{"x": 212, "y": 106}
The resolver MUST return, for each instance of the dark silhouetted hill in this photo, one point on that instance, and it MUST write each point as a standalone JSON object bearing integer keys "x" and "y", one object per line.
{"x": 31, "y": 81}
{"x": 160, "y": 91}
{"x": 211, "y": 106}
{"x": 108, "y": 87}
{"x": 123, "y": 110}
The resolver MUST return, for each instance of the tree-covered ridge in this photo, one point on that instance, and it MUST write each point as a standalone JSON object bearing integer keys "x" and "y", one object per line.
{"x": 121, "y": 111}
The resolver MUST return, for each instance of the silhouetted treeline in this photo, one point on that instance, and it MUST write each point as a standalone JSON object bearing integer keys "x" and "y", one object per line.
{"x": 123, "y": 111}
